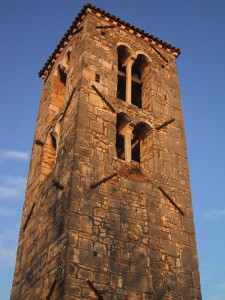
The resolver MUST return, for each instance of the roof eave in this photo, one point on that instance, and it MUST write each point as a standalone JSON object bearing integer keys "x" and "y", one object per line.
{"x": 74, "y": 27}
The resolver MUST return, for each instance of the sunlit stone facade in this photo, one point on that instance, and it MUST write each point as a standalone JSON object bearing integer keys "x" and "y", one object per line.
{"x": 108, "y": 210}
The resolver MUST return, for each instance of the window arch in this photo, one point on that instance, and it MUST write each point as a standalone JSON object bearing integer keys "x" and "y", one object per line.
{"x": 58, "y": 87}
{"x": 131, "y": 75}
{"x": 50, "y": 150}
{"x": 140, "y": 132}
{"x": 123, "y": 54}
{"x": 122, "y": 123}
{"x": 54, "y": 142}
{"x": 129, "y": 138}
{"x": 66, "y": 59}
{"x": 62, "y": 75}
{"x": 137, "y": 77}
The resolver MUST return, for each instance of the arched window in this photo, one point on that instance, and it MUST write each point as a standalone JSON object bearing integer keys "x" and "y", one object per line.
{"x": 66, "y": 60}
{"x": 50, "y": 151}
{"x": 58, "y": 87}
{"x": 120, "y": 146}
{"x": 138, "y": 68}
{"x": 62, "y": 75}
{"x": 131, "y": 76}
{"x": 123, "y": 54}
{"x": 54, "y": 143}
{"x": 121, "y": 129}
{"x": 63, "y": 67}
{"x": 140, "y": 132}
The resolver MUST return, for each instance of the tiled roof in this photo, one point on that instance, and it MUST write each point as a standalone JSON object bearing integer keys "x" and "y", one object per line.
{"x": 74, "y": 27}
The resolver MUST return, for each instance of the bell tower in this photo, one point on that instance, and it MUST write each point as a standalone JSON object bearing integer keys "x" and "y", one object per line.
{"x": 108, "y": 209}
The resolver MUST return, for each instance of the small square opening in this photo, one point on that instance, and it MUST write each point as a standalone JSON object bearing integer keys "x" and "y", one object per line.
{"x": 97, "y": 77}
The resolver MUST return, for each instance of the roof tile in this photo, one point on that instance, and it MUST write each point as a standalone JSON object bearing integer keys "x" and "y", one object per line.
{"x": 74, "y": 26}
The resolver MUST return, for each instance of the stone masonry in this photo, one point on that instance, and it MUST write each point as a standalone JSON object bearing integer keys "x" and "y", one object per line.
{"x": 108, "y": 210}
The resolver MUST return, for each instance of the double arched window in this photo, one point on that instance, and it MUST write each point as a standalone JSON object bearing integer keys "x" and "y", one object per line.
{"x": 131, "y": 75}
{"x": 129, "y": 137}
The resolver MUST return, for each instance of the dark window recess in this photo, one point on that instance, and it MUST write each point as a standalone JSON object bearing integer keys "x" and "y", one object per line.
{"x": 121, "y": 88}
{"x": 58, "y": 185}
{"x": 68, "y": 55}
{"x": 136, "y": 94}
{"x": 97, "y": 77}
{"x": 54, "y": 143}
{"x": 120, "y": 146}
{"x": 123, "y": 54}
{"x": 135, "y": 152}
{"x": 136, "y": 84}
{"x": 135, "y": 143}
{"x": 140, "y": 132}
{"x": 39, "y": 143}
{"x": 121, "y": 122}
{"x": 62, "y": 76}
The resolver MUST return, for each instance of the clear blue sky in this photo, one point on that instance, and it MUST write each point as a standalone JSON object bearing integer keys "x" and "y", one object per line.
{"x": 29, "y": 32}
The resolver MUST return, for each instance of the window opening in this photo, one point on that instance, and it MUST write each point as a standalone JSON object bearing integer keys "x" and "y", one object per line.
{"x": 139, "y": 133}
{"x": 53, "y": 142}
{"x": 123, "y": 54}
{"x": 135, "y": 145}
{"x": 58, "y": 89}
{"x": 68, "y": 56}
{"x": 50, "y": 158}
{"x": 122, "y": 121}
{"x": 138, "y": 68}
{"x": 66, "y": 61}
{"x": 136, "y": 94}
{"x": 135, "y": 151}
{"x": 136, "y": 84}
{"x": 50, "y": 151}
{"x": 121, "y": 88}
{"x": 62, "y": 76}
{"x": 97, "y": 77}
{"x": 120, "y": 146}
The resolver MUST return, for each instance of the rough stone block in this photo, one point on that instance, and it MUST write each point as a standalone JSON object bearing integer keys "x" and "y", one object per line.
{"x": 138, "y": 282}
{"x": 189, "y": 259}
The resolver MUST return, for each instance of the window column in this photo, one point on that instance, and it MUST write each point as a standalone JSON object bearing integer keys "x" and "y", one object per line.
{"x": 127, "y": 143}
{"x": 129, "y": 64}
{"x": 126, "y": 132}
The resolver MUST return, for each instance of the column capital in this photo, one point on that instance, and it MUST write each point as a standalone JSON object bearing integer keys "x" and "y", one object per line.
{"x": 129, "y": 61}
{"x": 127, "y": 129}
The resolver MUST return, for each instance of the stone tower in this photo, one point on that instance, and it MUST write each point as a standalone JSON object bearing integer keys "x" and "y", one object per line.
{"x": 108, "y": 211}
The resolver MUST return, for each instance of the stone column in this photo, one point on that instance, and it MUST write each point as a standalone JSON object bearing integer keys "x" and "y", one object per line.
{"x": 127, "y": 133}
{"x": 129, "y": 64}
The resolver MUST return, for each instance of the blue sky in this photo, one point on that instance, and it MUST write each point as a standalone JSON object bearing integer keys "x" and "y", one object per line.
{"x": 29, "y": 32}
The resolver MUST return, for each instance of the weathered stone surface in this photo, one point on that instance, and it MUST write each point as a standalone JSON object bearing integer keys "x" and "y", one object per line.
{"x": 189, "y": 259}
{"x": 138, "y": 282}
